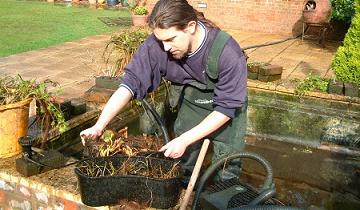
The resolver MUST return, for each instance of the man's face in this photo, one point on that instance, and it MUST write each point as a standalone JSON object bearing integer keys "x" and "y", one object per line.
{"x": 176, "y": 42}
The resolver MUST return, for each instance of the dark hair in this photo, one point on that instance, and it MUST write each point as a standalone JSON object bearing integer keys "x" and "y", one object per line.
{"x": 169, "y": 13}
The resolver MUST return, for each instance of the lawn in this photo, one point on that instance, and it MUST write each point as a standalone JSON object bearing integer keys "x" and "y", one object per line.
{"x": 28, "y": 25}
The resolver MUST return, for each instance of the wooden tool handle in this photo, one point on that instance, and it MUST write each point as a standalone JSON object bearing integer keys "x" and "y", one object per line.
{"x": 195, "y": 174}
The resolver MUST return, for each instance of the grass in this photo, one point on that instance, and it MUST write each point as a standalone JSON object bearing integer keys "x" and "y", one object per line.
{"x": 28, "y": 25}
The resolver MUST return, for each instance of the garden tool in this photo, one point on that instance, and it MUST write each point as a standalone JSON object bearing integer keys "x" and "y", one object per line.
{"x": 195, "y": 174}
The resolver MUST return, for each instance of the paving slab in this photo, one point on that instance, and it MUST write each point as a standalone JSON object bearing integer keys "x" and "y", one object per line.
{"x": 75, "y": 64}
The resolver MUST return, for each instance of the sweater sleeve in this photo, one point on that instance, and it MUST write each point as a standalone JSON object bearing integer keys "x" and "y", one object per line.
{"x": 231, "y": 89}
{"x": 142, "y": 74}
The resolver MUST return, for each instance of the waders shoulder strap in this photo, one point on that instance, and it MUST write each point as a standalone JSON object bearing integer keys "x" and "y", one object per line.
{"x": 215, "y": 53}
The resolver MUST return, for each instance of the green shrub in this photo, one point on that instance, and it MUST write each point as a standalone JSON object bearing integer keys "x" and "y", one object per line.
{"x": 346, "y": 61}
{"x": 342, "y": 10}
{"x": 140, "y": 10}
{"x": 310, "y": 83}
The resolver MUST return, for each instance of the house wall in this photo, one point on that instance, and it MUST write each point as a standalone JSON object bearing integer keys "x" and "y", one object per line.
{"x": 273, "y": 16}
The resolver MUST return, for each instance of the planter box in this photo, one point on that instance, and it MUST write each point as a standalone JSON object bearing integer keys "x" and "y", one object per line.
{"x": 108, "y": 190}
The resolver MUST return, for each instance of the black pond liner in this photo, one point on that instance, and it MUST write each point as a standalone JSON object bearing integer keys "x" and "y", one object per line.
{"x": 109, "y": 190}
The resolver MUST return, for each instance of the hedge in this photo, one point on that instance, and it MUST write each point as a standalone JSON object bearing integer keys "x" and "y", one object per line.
{"x": 346, "y": 61}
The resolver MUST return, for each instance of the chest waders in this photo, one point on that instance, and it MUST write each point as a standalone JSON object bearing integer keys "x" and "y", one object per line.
{"x": 195, "y": 103}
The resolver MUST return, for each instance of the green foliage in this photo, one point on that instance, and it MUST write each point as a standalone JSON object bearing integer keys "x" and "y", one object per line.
{"x": 137, "y": 7}
{"x": 15, "y": 89}
{"x": 310, "y": 83}
{"x": 343, "y": 10}
{"x": 140, "y": 10}
{"x": 108, "y": 136}
{"x": 346, "y": 61}
{"x": 29, "y": 25}
{"x": 124, "y": 46}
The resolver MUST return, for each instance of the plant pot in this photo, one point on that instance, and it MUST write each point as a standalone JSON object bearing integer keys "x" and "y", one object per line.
{"x": 92, "y": 2}
{"x": 107, "y": 82}
{"x": 13, "y": 125}
{"x": 110, "y": 189}
{"x": 111, "y": 3}
{"x": 139, "y": 20}
{"x": 320, "y": 12}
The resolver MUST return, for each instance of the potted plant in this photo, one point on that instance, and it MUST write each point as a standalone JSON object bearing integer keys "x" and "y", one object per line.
{"x": 139, "y": 12}
{"x": 119, "y": 51}
{"x": 16, "y": 95}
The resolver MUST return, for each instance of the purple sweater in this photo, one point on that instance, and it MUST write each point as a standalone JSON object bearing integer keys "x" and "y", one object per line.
{"x": 150, "y": 63}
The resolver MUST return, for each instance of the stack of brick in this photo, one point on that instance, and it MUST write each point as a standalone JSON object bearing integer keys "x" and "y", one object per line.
{"x": 270, "y": 73}
{"x": 264, "y": 72}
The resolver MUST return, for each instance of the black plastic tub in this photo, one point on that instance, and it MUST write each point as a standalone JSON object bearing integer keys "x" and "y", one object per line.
{"x": 110, "y": 189}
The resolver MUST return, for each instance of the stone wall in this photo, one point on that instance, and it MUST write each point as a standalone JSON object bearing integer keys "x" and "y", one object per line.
{"x": 274, "y": 16}
{"x": 314, "y": 120}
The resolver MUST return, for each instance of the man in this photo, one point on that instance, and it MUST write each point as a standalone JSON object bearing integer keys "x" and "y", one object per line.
{"x": 210, "y": 83}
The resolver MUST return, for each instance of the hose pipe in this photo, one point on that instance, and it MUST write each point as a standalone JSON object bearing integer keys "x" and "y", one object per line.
{"x": 158, "y": 119}
{"x": 264, "y": 196}
{"x": 268, "y": 183}
{"x": 268, "y": 207}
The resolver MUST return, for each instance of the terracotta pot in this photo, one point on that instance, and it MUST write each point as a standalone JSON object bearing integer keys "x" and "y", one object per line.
{"x": 139, "y": 20}
{"x": 317, "y": 11}
{"x": 13, "y": 125}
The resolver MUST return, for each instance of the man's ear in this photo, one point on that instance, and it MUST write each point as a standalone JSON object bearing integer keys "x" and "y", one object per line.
{"x": 191, "y": 27}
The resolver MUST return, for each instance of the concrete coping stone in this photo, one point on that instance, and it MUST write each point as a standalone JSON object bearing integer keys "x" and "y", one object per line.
{"x": 282, "y": 89}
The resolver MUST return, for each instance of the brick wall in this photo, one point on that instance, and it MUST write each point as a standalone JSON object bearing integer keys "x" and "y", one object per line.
{"x": 20, "y": 193}
{"x": 274, "y": 16}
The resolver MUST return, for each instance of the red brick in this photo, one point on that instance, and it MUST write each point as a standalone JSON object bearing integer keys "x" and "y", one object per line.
{"x": 2, "y": 197}
{"x": 70, "y": 205}
{"x": 98, "y": 95}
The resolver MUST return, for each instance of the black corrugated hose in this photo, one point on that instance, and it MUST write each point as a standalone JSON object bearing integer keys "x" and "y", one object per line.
{"x": 266, "y": 191}
{"x": 271, "y": 43}
{"x": 267, "y": 207}
{"x": 158, "y": 119}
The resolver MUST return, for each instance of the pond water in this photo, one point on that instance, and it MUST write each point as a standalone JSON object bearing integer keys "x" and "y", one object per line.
{"x": 326, "y": 177}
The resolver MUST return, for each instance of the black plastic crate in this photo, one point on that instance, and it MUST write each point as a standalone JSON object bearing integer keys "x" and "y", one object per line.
{"x": 109, "y": 190}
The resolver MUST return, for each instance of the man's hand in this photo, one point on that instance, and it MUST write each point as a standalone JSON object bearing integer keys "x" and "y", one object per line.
{"x": 211, "y": 123}
{"x": 117, "y": 101}
{"x": 90, "y": 134}
{"x": 175, "y": 148}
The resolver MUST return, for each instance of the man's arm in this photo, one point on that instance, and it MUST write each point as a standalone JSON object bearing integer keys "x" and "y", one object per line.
{"x": 176, "y": 147}
{"x": 117, "y": 101}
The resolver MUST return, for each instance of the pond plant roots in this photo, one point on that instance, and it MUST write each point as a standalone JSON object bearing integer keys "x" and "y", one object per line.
{"x": 155, "y": 182}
